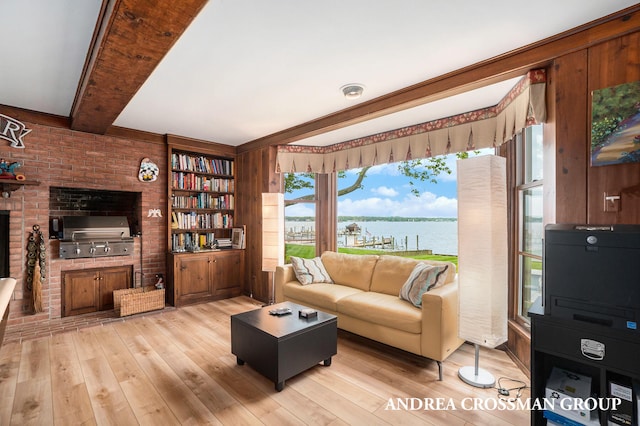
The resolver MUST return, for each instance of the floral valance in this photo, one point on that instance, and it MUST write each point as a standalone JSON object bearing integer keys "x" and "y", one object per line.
{"x": 524, "y": 105}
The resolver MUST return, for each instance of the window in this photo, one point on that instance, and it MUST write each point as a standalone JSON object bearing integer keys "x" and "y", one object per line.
{"x": 530, "y": 229}
{"x": 300, "y": 215}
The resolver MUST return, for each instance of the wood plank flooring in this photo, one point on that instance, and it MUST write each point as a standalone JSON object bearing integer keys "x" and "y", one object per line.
{"x": 177, "y": 368}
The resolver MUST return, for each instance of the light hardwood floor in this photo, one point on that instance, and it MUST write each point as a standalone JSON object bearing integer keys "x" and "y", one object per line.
{"x": 177, "y": 368}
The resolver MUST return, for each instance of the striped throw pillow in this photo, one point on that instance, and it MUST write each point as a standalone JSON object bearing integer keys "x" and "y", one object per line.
{"x": 422, "y": 279}
{"x": 309, "y": 271}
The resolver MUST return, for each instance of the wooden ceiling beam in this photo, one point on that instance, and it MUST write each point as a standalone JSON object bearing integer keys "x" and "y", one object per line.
{"x": 130, "y": 40}
{"x": 500, "y": 68}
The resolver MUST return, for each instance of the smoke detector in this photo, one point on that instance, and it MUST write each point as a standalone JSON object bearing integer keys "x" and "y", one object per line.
{"x": 352, "y": 90}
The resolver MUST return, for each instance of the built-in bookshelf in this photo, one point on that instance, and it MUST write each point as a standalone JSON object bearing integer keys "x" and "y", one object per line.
{"x": 202, "y": 200}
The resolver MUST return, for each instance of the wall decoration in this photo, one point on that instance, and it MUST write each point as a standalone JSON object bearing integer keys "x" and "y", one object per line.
{"x": 154, "y": 213}
{"x": 615, "y": 125}
{"x": 13, "y": 131}
{"x": 36, "y": 266}
{"x": 148, "y": 171}
{"x": 7, "y": 170}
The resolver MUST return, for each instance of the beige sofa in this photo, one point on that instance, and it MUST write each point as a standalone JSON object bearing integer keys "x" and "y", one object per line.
{"x": 365, "y": 299}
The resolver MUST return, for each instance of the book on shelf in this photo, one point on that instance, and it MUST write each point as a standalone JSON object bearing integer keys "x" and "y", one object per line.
{"x": 191, "y": 241}
{"x": 203, "y": 201}
{"x": 622, "y": 389}
{"x": 193, "y": 182}
{"x": 197, "y": 221}
{"x": 224, "y": 243}
{"x": 201, "y": 164}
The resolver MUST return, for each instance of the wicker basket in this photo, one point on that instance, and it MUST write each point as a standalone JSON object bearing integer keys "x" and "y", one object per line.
{"x": 135, "y": 300}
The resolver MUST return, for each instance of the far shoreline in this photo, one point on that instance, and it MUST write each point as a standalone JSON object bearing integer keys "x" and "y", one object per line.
{"x": 375, "y": 219}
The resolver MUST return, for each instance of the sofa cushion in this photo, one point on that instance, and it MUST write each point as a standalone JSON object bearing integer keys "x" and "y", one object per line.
{"x": 382, "y": 309}
{"x": 422, "y": 279}
{"x": 310, "y": 270}
{"x": 350, "y": 269}
{"x": 324, "y": 296}
{"x": 391, "y": 272}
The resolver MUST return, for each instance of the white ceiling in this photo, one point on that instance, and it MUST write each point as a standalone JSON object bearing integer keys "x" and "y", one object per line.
{"x": 245, "y": 69}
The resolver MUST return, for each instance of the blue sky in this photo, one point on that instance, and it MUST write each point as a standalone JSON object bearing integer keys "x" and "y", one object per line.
{"x": 386, "y": 192}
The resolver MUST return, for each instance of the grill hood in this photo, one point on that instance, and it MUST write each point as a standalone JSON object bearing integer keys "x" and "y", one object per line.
{"x": 88, "y": 228}
{"x": 95, "y": 236}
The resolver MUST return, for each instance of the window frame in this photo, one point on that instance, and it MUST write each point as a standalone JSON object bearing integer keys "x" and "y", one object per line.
{"x": 523, "y": 163}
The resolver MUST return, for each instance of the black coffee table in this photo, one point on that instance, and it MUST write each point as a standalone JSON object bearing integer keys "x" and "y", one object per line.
{"x": 279, "y": 347}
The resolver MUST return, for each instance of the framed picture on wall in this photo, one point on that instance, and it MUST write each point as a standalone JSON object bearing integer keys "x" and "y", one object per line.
{"x": 615, "y": 125}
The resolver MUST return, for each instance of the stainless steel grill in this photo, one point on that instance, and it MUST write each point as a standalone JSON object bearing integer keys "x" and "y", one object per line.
{"x": 95, "y": 236}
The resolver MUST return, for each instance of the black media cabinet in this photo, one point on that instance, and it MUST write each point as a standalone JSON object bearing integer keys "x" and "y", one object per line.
{"x": 557, "y": 343}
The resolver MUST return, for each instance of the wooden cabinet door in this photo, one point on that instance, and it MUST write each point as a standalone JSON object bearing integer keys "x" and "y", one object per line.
{"x": 112, "y": 279}
{"x": 227, "y": 273}
{"x": 193, "y": 278}
{"x": 81, "y": 292}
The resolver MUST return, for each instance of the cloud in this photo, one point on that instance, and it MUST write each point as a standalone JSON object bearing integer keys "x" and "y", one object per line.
{"x": 388, "y": 169}
{"x": 301, "y": 209}
{"x": 391, "y": 169}
{"x": 385, "y": 191}
{"x": 426, "y": 205}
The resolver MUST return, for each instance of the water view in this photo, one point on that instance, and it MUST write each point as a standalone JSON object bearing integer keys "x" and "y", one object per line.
{"x": 438, "y": 235}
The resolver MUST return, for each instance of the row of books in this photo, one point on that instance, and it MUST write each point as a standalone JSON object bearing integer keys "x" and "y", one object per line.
{"x": 195, "y": 241}
{"x": 201, "y": 164}
{"x": 189, "y": 241}
{"x": 192, "y": 181}
{"x": 203, "y": 201}
{"x": 193, "y": 220}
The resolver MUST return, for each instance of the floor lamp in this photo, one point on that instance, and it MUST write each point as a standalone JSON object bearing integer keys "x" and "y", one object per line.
{"x": 272, "y": 235}
{"x": 482, "y": 258}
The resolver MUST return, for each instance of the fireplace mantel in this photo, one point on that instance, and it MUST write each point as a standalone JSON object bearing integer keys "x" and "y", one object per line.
{"x": 10, "y": 185}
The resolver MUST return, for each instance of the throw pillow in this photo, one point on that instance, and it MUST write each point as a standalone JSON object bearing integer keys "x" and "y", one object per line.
{"x": 422, "y": 279}
{"x": 310, "y": 271}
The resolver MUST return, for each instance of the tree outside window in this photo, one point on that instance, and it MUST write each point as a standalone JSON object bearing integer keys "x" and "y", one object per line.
{"x": 301, "y": 199}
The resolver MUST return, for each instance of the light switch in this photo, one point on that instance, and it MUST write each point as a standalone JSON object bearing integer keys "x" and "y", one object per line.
{"x": 611, "y": 202}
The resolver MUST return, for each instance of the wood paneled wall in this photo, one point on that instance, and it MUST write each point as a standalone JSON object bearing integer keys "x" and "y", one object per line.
{"x": 565, "y": 151}
{"x": 577, "y": 193}
{"x": 610, "y": 64}
{"x": 256, "y": 174}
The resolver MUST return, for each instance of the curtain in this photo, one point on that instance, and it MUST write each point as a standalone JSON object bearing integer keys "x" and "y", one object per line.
{"x": 524, "y": 105}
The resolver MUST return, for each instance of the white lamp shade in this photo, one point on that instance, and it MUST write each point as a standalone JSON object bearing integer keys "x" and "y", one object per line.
{"x": 482, "y": 250}
{"x": 272, "y": 230}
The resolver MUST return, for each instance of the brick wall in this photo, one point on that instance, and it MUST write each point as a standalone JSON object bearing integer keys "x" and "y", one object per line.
{"x": 63, "y": 158}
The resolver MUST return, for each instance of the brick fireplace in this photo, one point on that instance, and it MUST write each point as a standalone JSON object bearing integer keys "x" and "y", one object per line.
{"x": 85, "y": 163}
